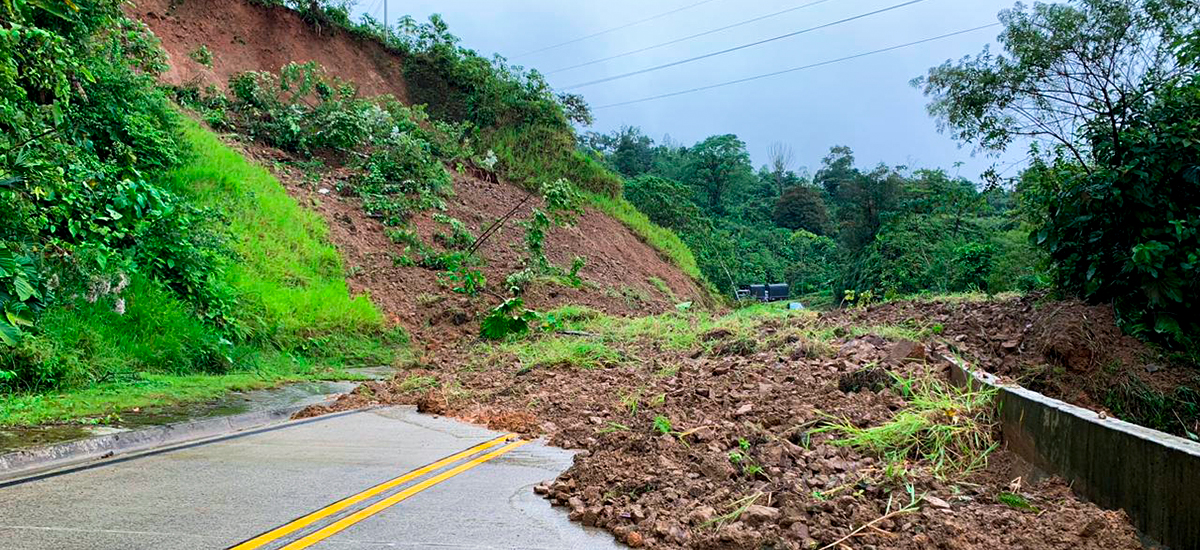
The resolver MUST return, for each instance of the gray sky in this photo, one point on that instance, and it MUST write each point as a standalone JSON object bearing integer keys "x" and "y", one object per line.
{"x": 865, "y": 103}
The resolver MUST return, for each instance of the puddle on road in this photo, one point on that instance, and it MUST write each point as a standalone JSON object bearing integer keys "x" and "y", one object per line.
{"x": 301, "y": 394}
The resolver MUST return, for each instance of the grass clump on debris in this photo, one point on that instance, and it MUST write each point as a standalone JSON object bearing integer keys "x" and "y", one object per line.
{"x": 941, "y": 428}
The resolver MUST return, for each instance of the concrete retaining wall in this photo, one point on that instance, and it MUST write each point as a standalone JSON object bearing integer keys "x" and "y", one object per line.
{"x": 1153, "y": 476}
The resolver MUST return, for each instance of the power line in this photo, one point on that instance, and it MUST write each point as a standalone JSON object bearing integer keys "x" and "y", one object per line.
{"x": 614, "y": 29}
{"x": 794, "y": 69}
{"x": 686, "y": 38}
{"x": 744, "y": 46}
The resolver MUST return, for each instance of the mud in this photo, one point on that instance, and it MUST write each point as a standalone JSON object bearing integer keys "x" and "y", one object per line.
{"x": 682, "y": 490}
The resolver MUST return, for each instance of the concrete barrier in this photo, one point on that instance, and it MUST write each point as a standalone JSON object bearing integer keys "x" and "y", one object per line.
{"x": 1153, "y": 476}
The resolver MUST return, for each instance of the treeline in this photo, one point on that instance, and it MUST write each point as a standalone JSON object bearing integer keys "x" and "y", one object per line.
{"x": 845, "y": 231}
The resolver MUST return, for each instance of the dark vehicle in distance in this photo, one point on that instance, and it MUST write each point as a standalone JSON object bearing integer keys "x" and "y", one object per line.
{"x": 763, "y": 293}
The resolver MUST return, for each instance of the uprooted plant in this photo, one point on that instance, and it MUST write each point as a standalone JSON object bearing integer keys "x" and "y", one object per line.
{"x": 944, "y": 429}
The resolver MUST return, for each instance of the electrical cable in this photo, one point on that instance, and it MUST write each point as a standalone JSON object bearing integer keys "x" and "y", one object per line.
{"x": 794, "y": 69}
{"x": 613, "y": 29}
{"x": 743, "y": 46}
{"x": 686, "y": 38}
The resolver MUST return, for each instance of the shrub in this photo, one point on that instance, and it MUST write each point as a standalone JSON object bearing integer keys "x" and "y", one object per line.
{"x": 1127, "y": 231}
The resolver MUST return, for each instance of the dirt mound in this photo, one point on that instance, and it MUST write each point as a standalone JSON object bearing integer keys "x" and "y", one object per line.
{"x": 242, "y": 36}
{"x": 1063, "y": 348}
{"x": 692, "y": 449}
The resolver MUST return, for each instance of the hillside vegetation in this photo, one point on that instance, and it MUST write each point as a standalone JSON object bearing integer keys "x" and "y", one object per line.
{"x": 159, "y": 251}
{"x": 136, "y": 245}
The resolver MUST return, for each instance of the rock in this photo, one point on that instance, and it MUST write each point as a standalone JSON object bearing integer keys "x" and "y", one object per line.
{"x": 1010, "y": 346}
{"x": 1092, "y": 528}
{"x": 800, "y": 530}
{"x": 574, "y": 503}
{"x": 907, "y": 350}
{"x": 937, "y": 503}
{"x": 701, "y": 515}
{"x": 590, "y": 516}
{"x": 541, "y": 489}
{"x": 744, "y": 410}
{"x": 756, "y": 514}
{"x": 634, "y": 539}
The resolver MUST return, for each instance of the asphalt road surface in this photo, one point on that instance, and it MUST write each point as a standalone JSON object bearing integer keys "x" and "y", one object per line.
{"x": 381, "y": 478}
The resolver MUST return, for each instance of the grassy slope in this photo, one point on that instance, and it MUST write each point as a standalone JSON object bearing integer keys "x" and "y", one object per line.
{"x": 288, "y": 274}
{"x": 304, "y": 323}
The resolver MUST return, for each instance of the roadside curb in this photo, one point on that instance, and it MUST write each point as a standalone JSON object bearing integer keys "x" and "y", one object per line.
{"x": 24, "y": 463}
{"x": 1153, "y": 476}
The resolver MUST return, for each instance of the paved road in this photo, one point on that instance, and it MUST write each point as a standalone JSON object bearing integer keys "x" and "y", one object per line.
{"x": 308, "y": 485}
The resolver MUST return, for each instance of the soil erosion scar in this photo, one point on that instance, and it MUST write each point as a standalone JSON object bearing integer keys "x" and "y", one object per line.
{"x": 314, "y": 517}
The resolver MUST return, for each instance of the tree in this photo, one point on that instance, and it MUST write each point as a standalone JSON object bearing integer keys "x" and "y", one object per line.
{"x": 666, "y": 202}
{"x": 865, "y": 201}
{"x": 718, "y": 167}
{"x": 781, "y": 157}
{"x": 1066, "y": 66}
{"x": 801, "y": 207}
{"x": 837, "y": 168}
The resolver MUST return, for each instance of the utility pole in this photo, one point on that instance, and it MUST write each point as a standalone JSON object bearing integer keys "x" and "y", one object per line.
{"x": 385, "y": 21}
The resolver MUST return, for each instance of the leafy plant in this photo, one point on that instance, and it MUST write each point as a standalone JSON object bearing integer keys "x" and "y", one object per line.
{"x": 507, "y": 319}
{"x": 202, "y": 55}
{"x": 20, "y": 294}
{"x": 662, "y": 424}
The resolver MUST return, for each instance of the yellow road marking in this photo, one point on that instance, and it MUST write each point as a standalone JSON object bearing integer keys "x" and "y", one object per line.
{"x": 305, "y": 521}
{"x": 382, "y": 505}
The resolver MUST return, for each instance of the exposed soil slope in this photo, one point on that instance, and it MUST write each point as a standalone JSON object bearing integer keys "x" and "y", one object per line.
{"x": 619, "y": 277}
{"x": 247, "y": 37}
{"x": 622, "y": 274}
{"x": 761, "y": 400}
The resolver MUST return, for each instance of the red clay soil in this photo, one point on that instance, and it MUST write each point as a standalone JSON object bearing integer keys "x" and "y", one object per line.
{"x": 658, "y": 490}
{"x": 1066, "y": 349}
{"x": 247, "y": 37}
{"x": 616, "y": 278}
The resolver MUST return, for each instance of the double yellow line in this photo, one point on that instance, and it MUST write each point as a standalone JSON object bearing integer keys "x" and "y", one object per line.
{"x": 341, "y": 524}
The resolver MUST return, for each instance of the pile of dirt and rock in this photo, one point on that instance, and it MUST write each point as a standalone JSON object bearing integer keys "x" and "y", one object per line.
{"x": 700, "y": 448}
{"x": 1066, "y": 349}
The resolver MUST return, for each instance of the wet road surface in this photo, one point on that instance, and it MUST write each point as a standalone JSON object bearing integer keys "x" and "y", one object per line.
{"x": 382, "y": 478}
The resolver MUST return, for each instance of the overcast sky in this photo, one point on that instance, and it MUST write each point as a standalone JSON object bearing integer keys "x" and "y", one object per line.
{"x": 865, "y": 103}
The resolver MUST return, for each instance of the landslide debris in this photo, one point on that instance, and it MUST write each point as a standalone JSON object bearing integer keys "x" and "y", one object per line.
{"x": 686, "y": 445}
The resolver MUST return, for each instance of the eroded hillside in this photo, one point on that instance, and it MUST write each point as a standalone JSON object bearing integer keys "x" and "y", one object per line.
{"x": 621, "y": 273}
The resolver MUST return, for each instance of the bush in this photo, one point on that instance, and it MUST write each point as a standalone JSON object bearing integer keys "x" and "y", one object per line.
{"x": 1127, "y": 231}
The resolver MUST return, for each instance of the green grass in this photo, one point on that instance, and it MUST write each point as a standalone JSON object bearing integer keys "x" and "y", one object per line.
{"x": 289, "y": 277}
{"x": 86, "y": 359}
{"x": 563, "y": 351}
{"x": 674, "y": 330}
{"x": 532, "y": 154}
{"x": 942, "y": 428}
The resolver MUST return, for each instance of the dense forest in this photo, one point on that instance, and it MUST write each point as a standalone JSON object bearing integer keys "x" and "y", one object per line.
{"x": 849, "y": 230}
